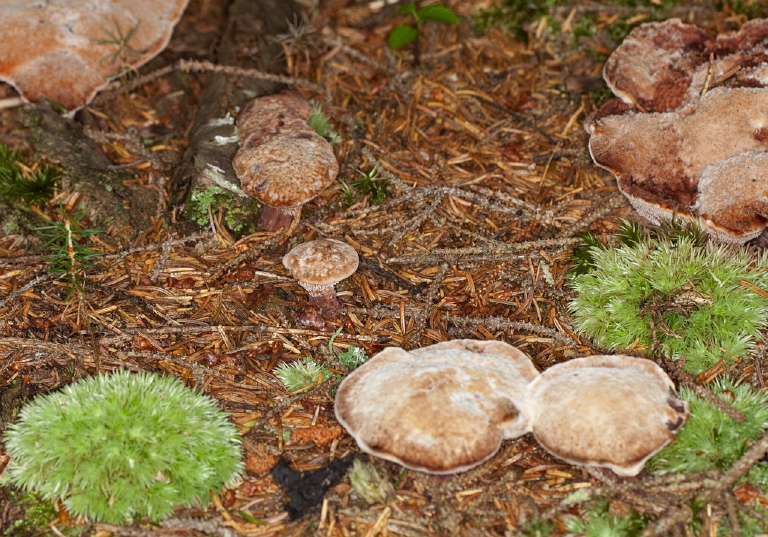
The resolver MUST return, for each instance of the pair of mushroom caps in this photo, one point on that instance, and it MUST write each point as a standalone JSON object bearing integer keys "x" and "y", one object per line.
{"x": 319, "y": 265}
{"x": 447, "y": 407}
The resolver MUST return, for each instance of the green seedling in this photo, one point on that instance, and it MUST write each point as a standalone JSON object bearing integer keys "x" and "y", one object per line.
{"x": 678, "y": 295}
{"x": 70, "y": 256}
{"x": 122, "y": 446}
{"x": 405, "y": 33}
{"x": 322, "y": 125}
{"x": 300, "y": 375}
{"x": 30, "y": 188}
{"x": 369, "y": 184}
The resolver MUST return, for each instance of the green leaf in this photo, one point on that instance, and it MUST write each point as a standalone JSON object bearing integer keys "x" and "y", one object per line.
{"x": 402, "y": 35}
{"x": 437, "y": 13}
{"x": 409, "y": 9}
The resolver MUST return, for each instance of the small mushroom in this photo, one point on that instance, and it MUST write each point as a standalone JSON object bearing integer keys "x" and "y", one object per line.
{"x": 319, "y": 265}
{"x": 440, "y": 409}
{"x": 282, "y": 161}
{"x": 605, "y": 411}
{"x": 67, "y": 50}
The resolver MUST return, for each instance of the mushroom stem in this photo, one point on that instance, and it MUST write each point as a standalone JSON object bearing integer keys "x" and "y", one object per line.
{"x": 274, "y": 218}
{"x": 322, "y": 296}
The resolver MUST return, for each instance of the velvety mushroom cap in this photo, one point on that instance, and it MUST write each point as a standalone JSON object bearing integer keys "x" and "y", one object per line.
{"x": 439, "y": 409}
{"x": 321, "y": 262}
{"x": 605, "y": 411}
{"x": 62, "y": 50}
{"x": 282, "y": 161}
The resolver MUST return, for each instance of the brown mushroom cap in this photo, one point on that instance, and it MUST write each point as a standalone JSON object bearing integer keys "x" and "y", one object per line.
{"x": 439, "y": 409}
{"x": 58, "y": 49}
{"x": 605, "y": 411}
{"x": 321, "y": 262}
{"x": 660, "y": 160}
{"x": 661, "y": 66}
{"x": 282, "y": 161}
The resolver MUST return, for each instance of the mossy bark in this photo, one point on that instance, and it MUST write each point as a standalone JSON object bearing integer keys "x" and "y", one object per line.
{"x": 88, "y": 171}
{"x": 207, "y": 163}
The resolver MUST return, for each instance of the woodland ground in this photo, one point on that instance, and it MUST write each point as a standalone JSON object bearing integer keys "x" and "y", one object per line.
{"x": 488, "y": 180}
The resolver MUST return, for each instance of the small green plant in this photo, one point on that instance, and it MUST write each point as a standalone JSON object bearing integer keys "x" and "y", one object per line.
{"x": 369, "y": 484}
{"x": 369, "y": 184}
{"x": 123, "y": 446}
{"x": 679, "y": 295}
{"x": 16, "y": 186}
{"x": 300, "y": 375}
{"x": 38, "y": 514}
{"x": 352, "y": 358}
{"x": 322, "y": 125}
{"x": 70, "y": 256}
{"x": 238, "y": 214}
{"x": 405, "y": 33}
{"x": 710, "y": 438}
{"x": 599, "y": 522}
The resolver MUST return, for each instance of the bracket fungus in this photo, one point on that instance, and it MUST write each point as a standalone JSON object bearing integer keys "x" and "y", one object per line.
{"x": 282, "y": 161}
{"x": 691, "y": 134}
{"x": 605, "y": 411}
{"x": 440, "y": 409}
{"x": 319, "y": 265}
{"x": 67, "y": 50}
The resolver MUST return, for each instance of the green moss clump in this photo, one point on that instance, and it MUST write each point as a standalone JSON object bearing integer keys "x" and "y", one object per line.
{"x": 123, "y": 446}
{"x": 710, "y": 438}
{"x": 239, "y": 215}
{"x": 599, "y": 522}
{"x": 688, "y": 297}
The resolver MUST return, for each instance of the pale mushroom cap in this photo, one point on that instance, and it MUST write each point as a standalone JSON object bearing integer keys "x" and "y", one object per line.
{"x": 321, "y": 262}
{"x": 733, "y": 200}
{"x": 282, "y": 161}
{"x": 440, "y": 409}
{"x": 51, "y": 49}
{"x": 605, "y": 411}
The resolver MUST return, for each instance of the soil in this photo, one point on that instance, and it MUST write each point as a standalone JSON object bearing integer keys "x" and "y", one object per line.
{"x": 488, "y": 182}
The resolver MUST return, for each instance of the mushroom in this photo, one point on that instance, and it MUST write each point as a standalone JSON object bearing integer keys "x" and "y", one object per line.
{"x": 282, "y": 161}
{"x": 694, "y": 161}
{"x": 440, "y": 409}
{"x": 605, "y": 411}
{"x": 67, "y": 50}
{"x": 662, "y": 66}
{"x": 319, "y": 265}
{"x": 694, "y": 153}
